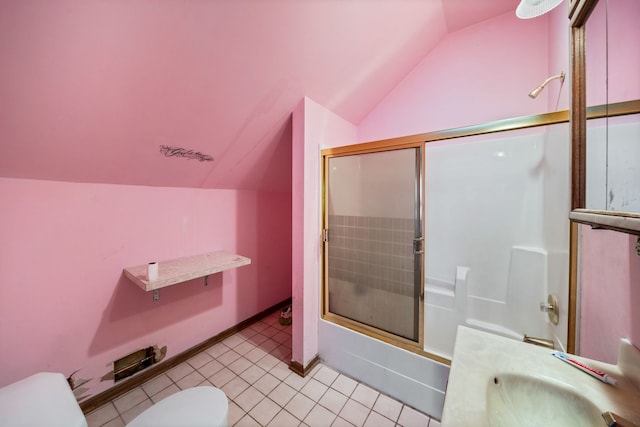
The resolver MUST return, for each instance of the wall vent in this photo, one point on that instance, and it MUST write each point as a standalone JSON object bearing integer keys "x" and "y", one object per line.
{"x": 136, "y": 361}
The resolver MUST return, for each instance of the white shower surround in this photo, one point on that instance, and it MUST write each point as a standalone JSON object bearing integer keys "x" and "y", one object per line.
{"x": 490, "y": 261}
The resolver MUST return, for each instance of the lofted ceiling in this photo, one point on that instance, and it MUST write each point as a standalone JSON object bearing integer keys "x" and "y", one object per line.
{"x": 90, "y": 90}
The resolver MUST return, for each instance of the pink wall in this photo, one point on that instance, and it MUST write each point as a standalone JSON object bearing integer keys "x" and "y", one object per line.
{"x": 610, "y": 280}
{"x": 314, "y": 128}
{"x": 558, "y": 46}
{"x": 478, "y": 74}
{"x": 64, "y": 303}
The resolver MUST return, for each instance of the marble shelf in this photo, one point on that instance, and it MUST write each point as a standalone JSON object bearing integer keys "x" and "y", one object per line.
{"x": 180, "y": 270}
{"x": 624, "y": 222}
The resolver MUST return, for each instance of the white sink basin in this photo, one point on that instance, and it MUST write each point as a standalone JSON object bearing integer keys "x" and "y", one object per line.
{"x": 495, "y": 381}
{"x": 522, "y": 400}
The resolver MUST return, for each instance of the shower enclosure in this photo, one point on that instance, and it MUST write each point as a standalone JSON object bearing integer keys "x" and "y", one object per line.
{"x": 465, "y": 227}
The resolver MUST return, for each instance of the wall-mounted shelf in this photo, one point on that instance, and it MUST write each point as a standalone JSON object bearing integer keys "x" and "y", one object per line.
{"x": 180, "y": 270}
{"x": 624, "y": 222}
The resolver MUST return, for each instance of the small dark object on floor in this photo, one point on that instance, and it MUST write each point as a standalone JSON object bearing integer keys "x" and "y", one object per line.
{"x": 285, "y": 316}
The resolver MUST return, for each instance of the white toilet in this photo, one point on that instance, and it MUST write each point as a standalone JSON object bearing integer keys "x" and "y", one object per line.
{"x": 46, "y": 400}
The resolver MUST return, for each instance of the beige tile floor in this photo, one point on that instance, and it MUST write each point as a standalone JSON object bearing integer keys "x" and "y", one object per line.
{"x": 251, "y": 367}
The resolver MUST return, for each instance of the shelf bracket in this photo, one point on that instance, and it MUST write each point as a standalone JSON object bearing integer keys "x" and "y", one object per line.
{"x": 156, "y": 295}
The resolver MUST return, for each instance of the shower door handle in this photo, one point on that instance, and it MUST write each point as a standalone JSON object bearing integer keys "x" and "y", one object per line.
{"x": 418, "y": 247}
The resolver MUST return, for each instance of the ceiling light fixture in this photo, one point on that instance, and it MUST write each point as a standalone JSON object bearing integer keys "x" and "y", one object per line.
{"x": 532, "y": 8}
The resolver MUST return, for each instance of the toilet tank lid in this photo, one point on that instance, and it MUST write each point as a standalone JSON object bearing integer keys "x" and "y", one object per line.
{"x": 43, "y": 399}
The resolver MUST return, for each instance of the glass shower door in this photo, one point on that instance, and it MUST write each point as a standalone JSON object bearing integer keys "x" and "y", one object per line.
{"x": 373, "y": 241}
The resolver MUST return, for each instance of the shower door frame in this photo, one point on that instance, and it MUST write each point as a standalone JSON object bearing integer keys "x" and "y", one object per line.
{"x": 532, "y": 121}
{"x": 419, "y": 259}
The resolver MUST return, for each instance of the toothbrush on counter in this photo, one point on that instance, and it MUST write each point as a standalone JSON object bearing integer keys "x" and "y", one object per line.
{"x": 605, "y": 378}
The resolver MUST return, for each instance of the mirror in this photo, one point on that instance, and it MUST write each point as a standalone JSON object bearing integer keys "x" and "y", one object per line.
{"x": 606, "y": 113}
{"x": 613, "y": 76}
{"x": 605, "y": 126}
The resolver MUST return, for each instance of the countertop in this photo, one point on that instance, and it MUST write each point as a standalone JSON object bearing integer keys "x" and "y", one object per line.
{"x": 479, "y": 356}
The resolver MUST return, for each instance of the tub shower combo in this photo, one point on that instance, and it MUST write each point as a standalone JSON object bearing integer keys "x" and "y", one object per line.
{"x": 470, "y": 230}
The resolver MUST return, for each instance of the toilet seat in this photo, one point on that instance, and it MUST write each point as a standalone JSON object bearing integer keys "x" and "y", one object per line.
{"x": 193, "y": 407}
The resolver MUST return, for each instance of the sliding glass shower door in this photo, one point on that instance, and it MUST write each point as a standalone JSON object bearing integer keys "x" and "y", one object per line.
{"x": 373, "y": 241}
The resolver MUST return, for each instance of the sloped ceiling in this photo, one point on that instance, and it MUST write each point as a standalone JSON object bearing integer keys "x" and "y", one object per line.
{"x": 90, "y": 90}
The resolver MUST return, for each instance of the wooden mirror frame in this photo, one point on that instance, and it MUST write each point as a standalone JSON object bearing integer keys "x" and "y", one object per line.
{"x": 579, "y": 12}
